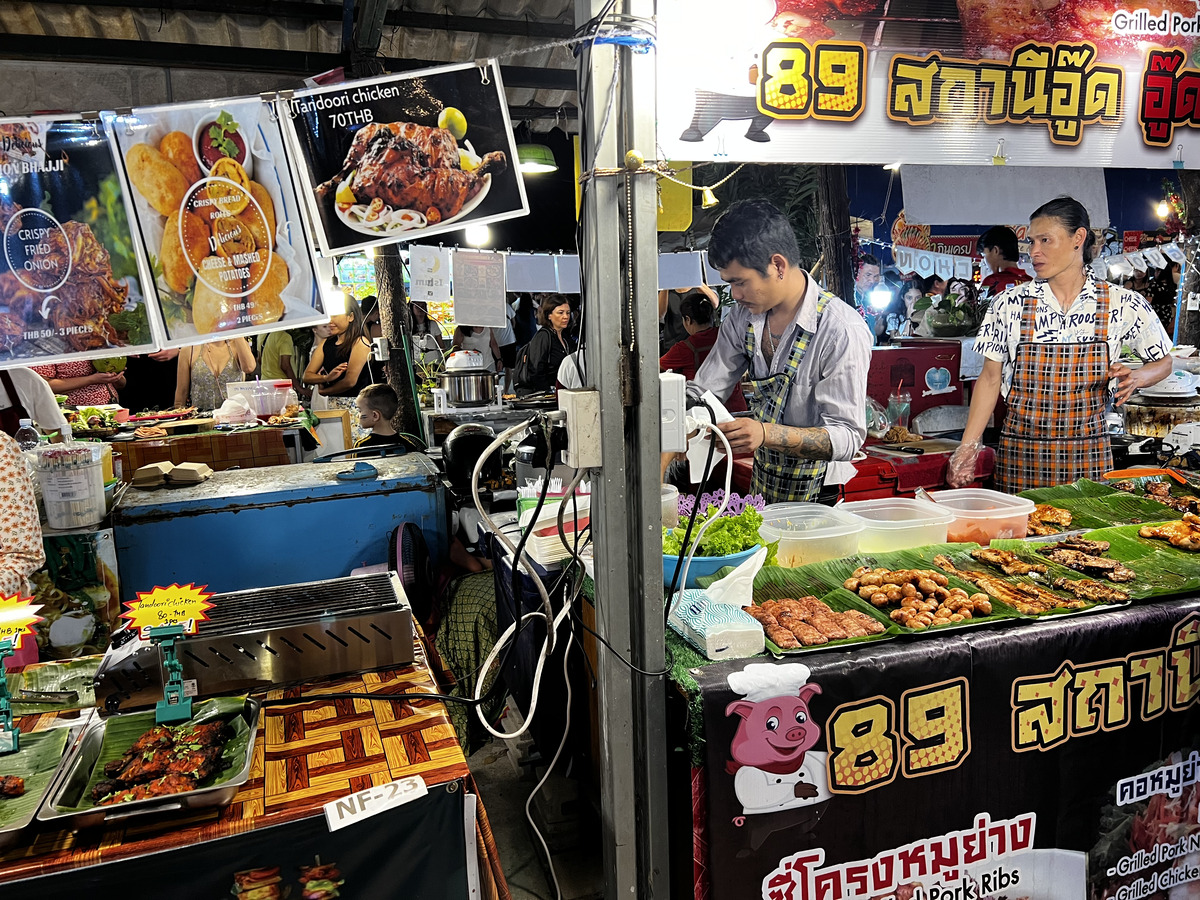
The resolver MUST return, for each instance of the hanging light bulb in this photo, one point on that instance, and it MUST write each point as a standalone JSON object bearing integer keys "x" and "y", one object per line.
{"x": 708, "y": 199}
{"x": 1162, "y": 209}
{"x": 370, "y": 252}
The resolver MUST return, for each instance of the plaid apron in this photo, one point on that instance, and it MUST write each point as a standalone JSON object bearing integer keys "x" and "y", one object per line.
{"x": 1054, "y": 432}
{"x": 778, "y": 476}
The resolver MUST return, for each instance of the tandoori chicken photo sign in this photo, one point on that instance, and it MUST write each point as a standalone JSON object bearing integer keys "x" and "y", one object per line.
{"x": 216, "y": 209}
{"x": 69, "y": 280}
{"x": 405, "y": 156}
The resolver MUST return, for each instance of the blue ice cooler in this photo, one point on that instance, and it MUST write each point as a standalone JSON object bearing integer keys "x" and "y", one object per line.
{"x": 247, "y": 528}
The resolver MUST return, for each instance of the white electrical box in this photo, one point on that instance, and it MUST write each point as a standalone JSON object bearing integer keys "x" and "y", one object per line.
{"x": 582, "y": 410}
{"x": 673, "y": 407}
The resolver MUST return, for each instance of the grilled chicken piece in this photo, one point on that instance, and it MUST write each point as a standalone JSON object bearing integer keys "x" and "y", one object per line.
{"x": 197, "y": 764}
{"x": 1083, "y": 562}
{"x": 204, "y": 735}
{"x": 157, "y": 738}
{"x": 1038, "y": 529}
{"x": 1044, "y": 512}
{"x": 1007, "y": 561}
{"x": 1022, "y": 596}
{"x": 144, "y": 768}
{"x": 1184, "y": 534}
{"x": 161, "y": 787}
{"x": 1128, "y": 487}
{"x": 1157, "y": 489}
{"x": 1080, "y": 544}
{"x": 411, "y": 166}
{"x": 11, "y": 786}
{"x": 1094, "y": 591}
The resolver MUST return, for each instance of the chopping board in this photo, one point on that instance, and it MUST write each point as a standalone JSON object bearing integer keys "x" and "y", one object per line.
{"x": 930, "y": 445}
{"x": 185, "y": 426}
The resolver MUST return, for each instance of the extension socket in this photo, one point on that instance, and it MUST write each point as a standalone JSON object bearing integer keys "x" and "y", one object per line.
{"x": 672, "y": 404}
{"x": 582, "y": 410}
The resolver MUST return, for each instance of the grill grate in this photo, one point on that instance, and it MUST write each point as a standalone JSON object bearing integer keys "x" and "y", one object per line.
{"x": 297, "y": 604}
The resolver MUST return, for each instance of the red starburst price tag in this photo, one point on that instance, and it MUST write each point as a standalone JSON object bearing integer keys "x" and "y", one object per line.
{"x": 18, "y": 615}
{"x": 180, "y": 604}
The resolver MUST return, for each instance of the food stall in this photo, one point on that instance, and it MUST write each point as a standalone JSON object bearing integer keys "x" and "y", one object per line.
{"x": 967, "y": 753}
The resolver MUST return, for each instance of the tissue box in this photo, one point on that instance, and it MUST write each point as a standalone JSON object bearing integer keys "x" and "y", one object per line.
{"x": 717, "y": 630}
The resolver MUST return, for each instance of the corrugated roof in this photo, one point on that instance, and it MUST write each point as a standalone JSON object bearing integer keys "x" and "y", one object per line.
{"x": 60, "y": 55}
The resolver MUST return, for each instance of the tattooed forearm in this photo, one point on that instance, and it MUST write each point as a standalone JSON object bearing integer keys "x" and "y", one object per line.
{"x": 809, "y": 443}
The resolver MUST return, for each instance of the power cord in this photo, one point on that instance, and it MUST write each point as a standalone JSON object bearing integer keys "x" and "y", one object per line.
{"x": 724, "y": 499}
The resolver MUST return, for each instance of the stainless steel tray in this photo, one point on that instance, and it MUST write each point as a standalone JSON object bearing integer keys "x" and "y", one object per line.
{"x": 10, "y": 833}
{"x": 59, "y": 808}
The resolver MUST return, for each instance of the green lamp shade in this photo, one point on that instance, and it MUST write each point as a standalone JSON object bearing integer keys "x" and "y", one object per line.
{"x": 536, "y": 158}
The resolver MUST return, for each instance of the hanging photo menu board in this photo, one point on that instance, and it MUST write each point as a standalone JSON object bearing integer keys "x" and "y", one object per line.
{"x": 69, "y": 286}
{"x": 218, "y": 215}
{"x": 406, "y": 156}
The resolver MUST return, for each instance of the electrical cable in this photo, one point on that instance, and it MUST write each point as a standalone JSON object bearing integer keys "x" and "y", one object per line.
{"x": 615, "y": 652}
{"x": 724, "y": 502}
{"x": 687, "y": 534}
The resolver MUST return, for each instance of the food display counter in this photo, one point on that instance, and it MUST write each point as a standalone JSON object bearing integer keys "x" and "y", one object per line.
{"x": 1043, "y": 747}
{"x": 304, "y": 756}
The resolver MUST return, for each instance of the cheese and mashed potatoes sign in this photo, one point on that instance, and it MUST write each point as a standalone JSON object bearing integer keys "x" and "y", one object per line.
{"x": 1063, "y": 82}
{"x": 213, "y": 198}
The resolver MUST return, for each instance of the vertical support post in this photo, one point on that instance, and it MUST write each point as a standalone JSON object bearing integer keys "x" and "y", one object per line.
{"x": 833, "y": 230}
{"x": 394, "y": 321}
{"x": 619, "y": 255}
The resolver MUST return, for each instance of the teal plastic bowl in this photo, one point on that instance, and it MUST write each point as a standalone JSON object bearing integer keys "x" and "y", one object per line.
{"x": 703, "y": 566}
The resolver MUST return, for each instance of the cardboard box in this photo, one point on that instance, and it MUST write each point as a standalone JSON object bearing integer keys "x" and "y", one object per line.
{"x": 929, "y": 370}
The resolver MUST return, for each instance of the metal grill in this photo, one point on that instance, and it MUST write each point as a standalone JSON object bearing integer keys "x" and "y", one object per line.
{"x": 268, "y": 637}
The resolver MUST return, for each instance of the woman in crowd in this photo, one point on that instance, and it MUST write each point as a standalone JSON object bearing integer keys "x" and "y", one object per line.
{"x": 82, "y": 384}
{"x": 480, "y": 339}
{"x": 338, "y": 365}
{"x": 548, "y": 348}
{"x": 685, "y": 357}
{"x": 1163, "y": 294}
{"x": 203, "y": 370}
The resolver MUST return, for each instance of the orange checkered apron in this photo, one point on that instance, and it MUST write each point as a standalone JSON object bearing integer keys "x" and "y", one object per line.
{"x": 1054, "y": 432}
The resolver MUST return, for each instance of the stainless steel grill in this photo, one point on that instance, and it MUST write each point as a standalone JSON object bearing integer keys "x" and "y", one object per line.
{"x": 266, "y": 637}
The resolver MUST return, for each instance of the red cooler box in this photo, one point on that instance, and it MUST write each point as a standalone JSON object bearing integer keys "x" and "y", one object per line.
{"x": 927, "y": 368}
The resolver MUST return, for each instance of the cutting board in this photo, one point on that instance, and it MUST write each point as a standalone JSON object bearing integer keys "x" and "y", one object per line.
{"x": 932, "y": 445}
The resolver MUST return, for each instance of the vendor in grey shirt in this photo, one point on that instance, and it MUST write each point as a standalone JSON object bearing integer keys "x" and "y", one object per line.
{"x": 807, "y": 355}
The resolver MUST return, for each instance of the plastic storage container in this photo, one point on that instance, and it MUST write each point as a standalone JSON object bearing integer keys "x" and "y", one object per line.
{"x": 897, "y": 523}
{"x": 72, "y": 481}
{"x": 266, "y": 398}
{"x": 983, "y": 516}
{"x": 810, "y": 532}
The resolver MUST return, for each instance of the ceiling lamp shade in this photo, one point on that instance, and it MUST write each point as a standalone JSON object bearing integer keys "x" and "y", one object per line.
{"x": 536, "y": 158}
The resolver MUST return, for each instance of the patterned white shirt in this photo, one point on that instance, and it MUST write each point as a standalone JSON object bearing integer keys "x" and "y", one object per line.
{"x": 21, "y": 552}
{"x": 1132, "y": 323}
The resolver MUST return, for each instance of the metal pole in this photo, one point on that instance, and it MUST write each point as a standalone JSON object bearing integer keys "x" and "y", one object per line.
{"x": 619, "y": 254}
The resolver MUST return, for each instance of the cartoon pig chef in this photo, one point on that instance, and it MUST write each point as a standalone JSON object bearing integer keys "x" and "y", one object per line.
{"x": 774, "y": 766}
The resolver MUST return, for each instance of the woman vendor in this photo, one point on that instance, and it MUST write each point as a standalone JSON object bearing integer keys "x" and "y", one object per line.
{"x": 1050, "y": 346}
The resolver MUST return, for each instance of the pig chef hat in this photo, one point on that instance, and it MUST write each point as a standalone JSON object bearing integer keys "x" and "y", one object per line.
{"x": 761, "y": 681}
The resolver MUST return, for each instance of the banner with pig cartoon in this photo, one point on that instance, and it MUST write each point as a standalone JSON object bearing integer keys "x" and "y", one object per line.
{"x": 1062, "y": 765}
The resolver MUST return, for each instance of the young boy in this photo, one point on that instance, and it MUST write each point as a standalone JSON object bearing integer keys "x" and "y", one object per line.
{"x": 377, "y": 405}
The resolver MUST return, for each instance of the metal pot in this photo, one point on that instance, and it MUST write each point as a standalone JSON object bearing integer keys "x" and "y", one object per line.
{"x": 469, "y": 387}
{"x": 1157, "y": 416}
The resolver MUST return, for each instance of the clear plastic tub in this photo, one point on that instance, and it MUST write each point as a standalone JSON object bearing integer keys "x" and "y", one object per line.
{"x": 897, "y": 523}
{"x": 810, "y": 532}
{"x": 71, "y": 477}
{"x": 266, "y": 398}
{"x": 982, "y": 516}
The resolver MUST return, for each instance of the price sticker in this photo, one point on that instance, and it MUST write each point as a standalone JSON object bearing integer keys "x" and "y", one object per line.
{"x": 18, "y": 615}
{"x": 179, "y": 604}
{"x": 1193, "y": 302}
{"x": 374, "y": 800}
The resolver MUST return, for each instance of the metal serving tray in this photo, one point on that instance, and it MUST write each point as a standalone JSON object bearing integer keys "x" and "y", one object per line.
{"x": 12, "y": 832}
{"x": 59, "y": 808}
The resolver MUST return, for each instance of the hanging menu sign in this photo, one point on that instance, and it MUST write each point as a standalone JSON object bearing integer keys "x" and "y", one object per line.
{"x": 69, "y": 282}
{"x": 406, "y": 156}
{"x": 217, "y": 211}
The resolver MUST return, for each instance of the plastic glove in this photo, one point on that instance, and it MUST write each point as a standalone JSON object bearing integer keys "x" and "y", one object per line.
{"x": 961, "y": 470}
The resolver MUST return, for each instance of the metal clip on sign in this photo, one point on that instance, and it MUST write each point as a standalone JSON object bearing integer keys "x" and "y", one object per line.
{"x": 174, "y": 707}
{"x": 10, "y": 735}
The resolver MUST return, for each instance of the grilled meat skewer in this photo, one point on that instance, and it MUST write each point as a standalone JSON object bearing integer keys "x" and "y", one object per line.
{"x": 1007, "y": 561}
{"x": 1087, "y": 589}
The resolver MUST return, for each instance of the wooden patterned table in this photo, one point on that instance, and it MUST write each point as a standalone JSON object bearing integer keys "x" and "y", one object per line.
{"x": 304, "y": 756}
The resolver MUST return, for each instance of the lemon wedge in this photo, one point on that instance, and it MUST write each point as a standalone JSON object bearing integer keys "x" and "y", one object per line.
{"x": 468, "y": 162}
{"x": 344, "y": 194}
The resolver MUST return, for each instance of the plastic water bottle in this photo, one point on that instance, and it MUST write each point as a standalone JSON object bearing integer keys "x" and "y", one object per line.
{"x": 26, "y": 436}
